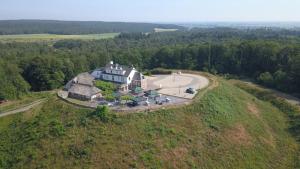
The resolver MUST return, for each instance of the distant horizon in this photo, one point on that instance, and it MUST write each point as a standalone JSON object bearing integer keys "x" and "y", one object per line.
{"x": 155, "y": 11}
{"x": 166, "y": 22}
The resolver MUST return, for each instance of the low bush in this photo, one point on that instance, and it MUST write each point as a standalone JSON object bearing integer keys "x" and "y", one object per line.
{"x": 160, "y": 71}
{"x": 102, "y": 113}
{"x": 56, "y": 128}
{"x": 78, "y": 152}
{"x": 105, "y": 86}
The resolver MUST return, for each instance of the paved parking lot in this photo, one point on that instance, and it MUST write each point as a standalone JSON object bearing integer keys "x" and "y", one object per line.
{"x": 176, "y": 84}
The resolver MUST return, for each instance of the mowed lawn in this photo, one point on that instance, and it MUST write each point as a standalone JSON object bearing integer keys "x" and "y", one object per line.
{"x": 53, "y": 37}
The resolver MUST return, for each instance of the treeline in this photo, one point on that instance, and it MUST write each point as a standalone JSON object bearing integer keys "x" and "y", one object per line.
{"x": 274, "y": 62}
{"x": 8, "y": 27}
{"x": 269, "y": 63}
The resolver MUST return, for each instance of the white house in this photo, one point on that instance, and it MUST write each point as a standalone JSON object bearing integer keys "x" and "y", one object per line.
{"x": 126, "y": 77}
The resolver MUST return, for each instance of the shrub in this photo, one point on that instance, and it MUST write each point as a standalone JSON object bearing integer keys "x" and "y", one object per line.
{"x": 78, "y": 152}
{"x": 83, "y": 121}
{"x": 147, "y": 73}
{"x": 105, "y": 86}
{"x": 109, "y": 98}
{"x": 57, "y": 128}
{"x": 161, "y": 71}
{"x": 126, "y": 98}
{"x": 103, "y": 113}
{"x": 213, "y": 71}
{"x": 266, "y": 79}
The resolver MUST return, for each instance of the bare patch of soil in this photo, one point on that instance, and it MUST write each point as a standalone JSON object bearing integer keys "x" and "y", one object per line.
{"x": 238, "y": 135}
{"x": 253, "y": 109}
{"x": 175, "y": 156}
{"x": 269, "y": 139}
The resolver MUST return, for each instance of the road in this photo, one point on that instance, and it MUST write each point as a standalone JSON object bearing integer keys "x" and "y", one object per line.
{"x": 23, "y": 108}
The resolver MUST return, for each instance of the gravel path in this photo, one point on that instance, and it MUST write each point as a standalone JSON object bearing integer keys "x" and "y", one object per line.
{"x": 22, "y": 109}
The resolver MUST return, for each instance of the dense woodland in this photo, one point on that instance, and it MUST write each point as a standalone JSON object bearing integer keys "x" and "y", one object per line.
{"x": 9, "y": 27}
{"x": 268, "y": 56}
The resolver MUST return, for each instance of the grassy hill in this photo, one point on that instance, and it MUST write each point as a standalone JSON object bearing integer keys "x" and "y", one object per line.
{"x": 225, "y": 128}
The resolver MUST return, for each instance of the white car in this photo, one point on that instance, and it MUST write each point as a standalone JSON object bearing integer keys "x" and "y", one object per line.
{"x": 168, "y": 100}
{"x": 110, "y": 104}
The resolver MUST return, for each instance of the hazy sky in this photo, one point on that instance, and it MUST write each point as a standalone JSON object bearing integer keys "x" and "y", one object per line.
{"x": 152, "y": 10}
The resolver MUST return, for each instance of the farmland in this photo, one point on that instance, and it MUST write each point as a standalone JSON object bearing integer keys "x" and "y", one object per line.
{"x": 54, "y": 37}
{"x": 164, "y": 30}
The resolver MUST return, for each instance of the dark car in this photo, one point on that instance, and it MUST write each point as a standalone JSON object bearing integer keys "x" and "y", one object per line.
{"x": 132, "y": 104}
{"x": 3, "y": 101}
{"x": 190, "y": 90}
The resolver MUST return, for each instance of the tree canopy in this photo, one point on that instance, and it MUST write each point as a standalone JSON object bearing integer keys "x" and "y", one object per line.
{"x": 270, "y": 56}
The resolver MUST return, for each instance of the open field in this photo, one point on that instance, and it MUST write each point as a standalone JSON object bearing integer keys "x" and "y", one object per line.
{"x": 164, "y": 30}
{"x": 53, "y": 37}
{"x": 225, "y": 128}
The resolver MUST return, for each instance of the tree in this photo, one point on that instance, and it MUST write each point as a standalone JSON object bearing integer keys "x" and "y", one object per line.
{"x": 280, "y": 80}
{"x": 44, "y": 73}
{"x": 12, "y": 83}
{"x": 266, "y": 79}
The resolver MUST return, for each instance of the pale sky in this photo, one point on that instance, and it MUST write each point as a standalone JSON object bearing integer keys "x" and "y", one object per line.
{"x": 152, "y": 10}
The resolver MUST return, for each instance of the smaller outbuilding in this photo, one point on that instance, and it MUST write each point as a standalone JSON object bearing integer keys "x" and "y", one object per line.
{"x": 82, "y": 88}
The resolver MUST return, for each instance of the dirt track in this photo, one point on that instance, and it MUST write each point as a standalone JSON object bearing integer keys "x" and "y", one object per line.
{"x": 22, "y": 109}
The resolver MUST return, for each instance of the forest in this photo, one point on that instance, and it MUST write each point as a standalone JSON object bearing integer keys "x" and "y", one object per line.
{"x": 269, "y": 56}
{"x": 9, "y": 27}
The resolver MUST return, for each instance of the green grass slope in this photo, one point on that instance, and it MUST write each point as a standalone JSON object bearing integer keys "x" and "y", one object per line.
{"x": 226, "y": 128}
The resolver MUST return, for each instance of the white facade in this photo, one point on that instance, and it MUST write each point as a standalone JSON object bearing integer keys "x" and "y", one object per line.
{"x": 116, "y": 73}
{"x": 117, "y": 78}
{"x": 97, "y": 74}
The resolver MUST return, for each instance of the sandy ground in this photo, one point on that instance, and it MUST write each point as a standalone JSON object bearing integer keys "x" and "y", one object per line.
{"x": 176, "y": 84}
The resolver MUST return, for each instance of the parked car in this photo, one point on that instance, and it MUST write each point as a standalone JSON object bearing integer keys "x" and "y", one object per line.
{"x": 133, "y": 104}
{"x": 159, "y": 102}
{"x": 110, "y": 104}
{"x": 3, "y": 101}
{"x": 168, "y": 100}
{"x": 190, "y": 90}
